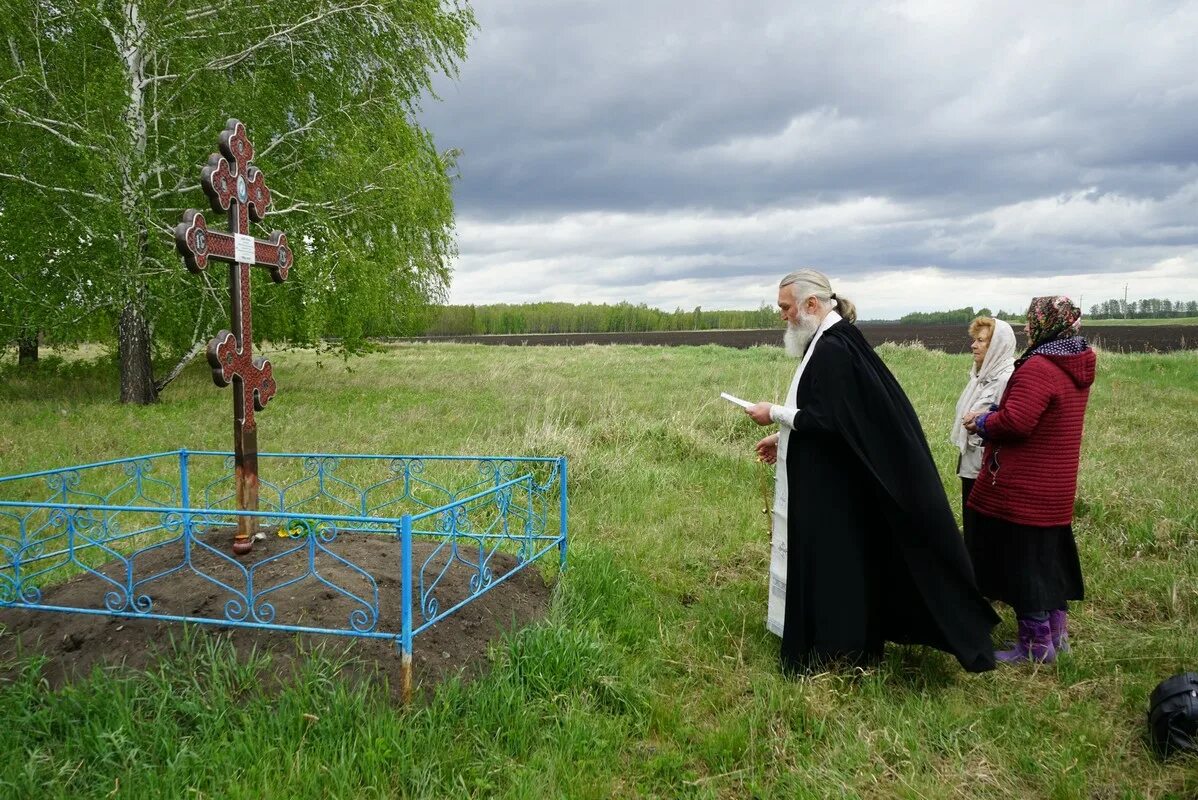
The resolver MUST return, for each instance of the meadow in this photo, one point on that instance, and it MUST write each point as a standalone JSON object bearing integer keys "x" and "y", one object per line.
{"x": 653, "y": 675}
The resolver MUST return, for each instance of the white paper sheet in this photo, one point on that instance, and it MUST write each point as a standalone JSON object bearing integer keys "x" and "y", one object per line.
{"x": 736, "y": 401}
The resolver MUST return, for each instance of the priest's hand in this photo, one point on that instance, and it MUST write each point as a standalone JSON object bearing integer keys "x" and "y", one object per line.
{"x": 760, "y": 413}
{"x": 767, "y": 449}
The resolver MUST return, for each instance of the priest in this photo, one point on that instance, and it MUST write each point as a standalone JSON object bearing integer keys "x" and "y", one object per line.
{"x": 866, "y": 549}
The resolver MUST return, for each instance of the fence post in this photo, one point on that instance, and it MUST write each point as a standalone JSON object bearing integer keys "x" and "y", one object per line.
{"x": 184, "y": 486}
{"x": 185, "y": 503}
{"x": 563, "y": 525}
{"x": 405, "y": 578}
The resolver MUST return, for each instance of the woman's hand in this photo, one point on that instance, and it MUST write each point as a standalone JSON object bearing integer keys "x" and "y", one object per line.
{"x": 970, "y": 421}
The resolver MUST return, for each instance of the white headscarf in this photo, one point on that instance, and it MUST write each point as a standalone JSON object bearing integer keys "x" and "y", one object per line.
{"x": 999, "y": 359}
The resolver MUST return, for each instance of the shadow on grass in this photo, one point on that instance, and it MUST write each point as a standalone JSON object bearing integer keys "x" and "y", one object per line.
{"x": 911, "y": 668}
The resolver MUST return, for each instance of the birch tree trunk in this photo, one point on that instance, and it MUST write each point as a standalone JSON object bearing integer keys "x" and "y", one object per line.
{"x": 133, "y": 328}
{"x": 133, "y": 345}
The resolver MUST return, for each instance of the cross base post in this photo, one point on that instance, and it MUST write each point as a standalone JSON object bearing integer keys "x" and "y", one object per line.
{"x": 245, "y": 465}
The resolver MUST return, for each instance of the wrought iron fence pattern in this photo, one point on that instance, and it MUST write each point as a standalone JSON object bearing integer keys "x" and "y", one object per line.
{"x": 118, "y": 530}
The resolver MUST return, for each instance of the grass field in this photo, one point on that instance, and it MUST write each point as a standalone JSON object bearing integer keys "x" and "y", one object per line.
{"x": 653, "y": 676}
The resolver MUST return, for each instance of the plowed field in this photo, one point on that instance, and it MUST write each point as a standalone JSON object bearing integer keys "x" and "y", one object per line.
{"x": 949, "y": 338}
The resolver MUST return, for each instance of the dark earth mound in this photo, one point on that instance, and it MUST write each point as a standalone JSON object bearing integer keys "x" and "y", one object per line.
{"x": 76, "y": 643}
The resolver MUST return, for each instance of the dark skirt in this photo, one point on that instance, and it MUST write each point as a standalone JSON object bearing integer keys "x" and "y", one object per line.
{"x": 1028, "y": 568}
{"x": 969, "y": 517}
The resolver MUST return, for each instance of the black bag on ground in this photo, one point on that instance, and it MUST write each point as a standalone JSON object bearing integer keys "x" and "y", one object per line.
{"x": 1173, "y": 715}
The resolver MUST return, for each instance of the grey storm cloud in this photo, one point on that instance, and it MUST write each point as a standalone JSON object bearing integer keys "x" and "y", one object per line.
{"x": 973, "y": 137}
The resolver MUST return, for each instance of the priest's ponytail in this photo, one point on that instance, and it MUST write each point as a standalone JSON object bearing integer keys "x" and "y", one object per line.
{"x": 845, "y": 308}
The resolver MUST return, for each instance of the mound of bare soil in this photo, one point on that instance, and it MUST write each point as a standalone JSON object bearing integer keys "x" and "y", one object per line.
{"x": 76, "y": 643}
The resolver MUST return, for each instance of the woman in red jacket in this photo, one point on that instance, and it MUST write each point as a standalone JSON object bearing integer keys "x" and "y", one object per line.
{"x": 1023, "y": 551}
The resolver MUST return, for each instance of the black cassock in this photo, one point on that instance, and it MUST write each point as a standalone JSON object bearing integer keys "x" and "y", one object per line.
{"x": 874, "y": 553}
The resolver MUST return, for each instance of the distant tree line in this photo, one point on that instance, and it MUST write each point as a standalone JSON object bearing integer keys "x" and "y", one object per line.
{"x": 1152, "y": 308}
{"x": 956, "y": 316}
{"x": 503, "y": 318}
{"x": 587, "y": 318}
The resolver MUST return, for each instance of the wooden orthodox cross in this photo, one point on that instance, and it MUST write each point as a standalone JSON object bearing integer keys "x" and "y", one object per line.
{"x": 235, "y": 185}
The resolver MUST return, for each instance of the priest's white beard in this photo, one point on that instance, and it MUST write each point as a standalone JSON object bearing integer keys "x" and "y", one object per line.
{"x": 799, "y": 334}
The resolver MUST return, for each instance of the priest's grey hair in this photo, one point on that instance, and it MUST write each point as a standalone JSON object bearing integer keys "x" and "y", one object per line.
{"x": 812, "y": 283}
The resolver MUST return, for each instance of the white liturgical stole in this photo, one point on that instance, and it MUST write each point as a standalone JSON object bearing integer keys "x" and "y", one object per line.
{"x": 776, "y": 607}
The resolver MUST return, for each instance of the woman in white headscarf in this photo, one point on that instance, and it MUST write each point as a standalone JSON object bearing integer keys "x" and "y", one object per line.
{"x": 993, "y": 351}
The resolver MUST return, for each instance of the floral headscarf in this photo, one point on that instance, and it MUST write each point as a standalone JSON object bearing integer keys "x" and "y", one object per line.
{"x": 1051, "y": 318}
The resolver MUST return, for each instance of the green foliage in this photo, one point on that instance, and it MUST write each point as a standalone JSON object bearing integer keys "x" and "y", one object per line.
{"x": 653, "y": 676}
{"x": 547, "y": 317}
{"x": 956, "y": 316}
{"x": 108, "y": 111}
{"x": 1150, "y": 308}
{"x": 586, "y": 318}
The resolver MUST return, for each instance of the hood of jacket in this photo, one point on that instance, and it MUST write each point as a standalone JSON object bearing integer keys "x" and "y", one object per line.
{"x": 1078, "y": 366}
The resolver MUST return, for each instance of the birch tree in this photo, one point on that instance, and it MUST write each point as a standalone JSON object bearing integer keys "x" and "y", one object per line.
{"x": 110, "y": 107}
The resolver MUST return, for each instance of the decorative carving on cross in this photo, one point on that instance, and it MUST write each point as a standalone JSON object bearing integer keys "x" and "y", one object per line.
{"x": 234, "y": 185}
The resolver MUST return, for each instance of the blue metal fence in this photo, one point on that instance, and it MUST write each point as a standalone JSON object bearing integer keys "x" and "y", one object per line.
{"x": 127, "y": 525}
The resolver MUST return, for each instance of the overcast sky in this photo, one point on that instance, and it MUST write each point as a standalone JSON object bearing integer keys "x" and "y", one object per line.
{"x": 926, "y": 155}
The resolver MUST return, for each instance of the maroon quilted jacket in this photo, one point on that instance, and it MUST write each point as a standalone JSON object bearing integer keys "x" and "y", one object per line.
{"x": 1034, "y": 439}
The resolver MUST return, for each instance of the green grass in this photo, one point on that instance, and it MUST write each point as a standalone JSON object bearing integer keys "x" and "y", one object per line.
{"x": 653, "y": 676}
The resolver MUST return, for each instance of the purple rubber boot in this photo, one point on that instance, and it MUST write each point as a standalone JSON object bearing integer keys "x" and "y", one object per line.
{"x": 1058, "y": 621}
{"x": 1035, "y": 644}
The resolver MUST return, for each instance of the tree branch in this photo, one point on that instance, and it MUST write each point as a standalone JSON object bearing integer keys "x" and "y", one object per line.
{"x": 170, "y": 103}
{"x": 338, "y": 204}
{"x": 224, "y": 62}
{"x": 66, "y": 212}
{"x": 41, "y": 59}
{"x": 345, "y": 109}
{"x": 201, "y": 13}
{"x": 159, "y": 385}
{"x": 212, "y": 292}
{"x": 61, "y": 189}
{"x": 153, "y": 79}
{"x": 15, "y": 54}
{"x": 307, "y": 126}
{"x": 176, "y": 190}
{"x": 47, "y": 125}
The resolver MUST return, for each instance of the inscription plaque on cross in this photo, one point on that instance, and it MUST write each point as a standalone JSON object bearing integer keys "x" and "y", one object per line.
{"x": 234, "y": 185}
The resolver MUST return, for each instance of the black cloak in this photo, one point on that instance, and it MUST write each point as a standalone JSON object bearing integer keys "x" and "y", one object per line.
{"x": 874, "y": 553}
